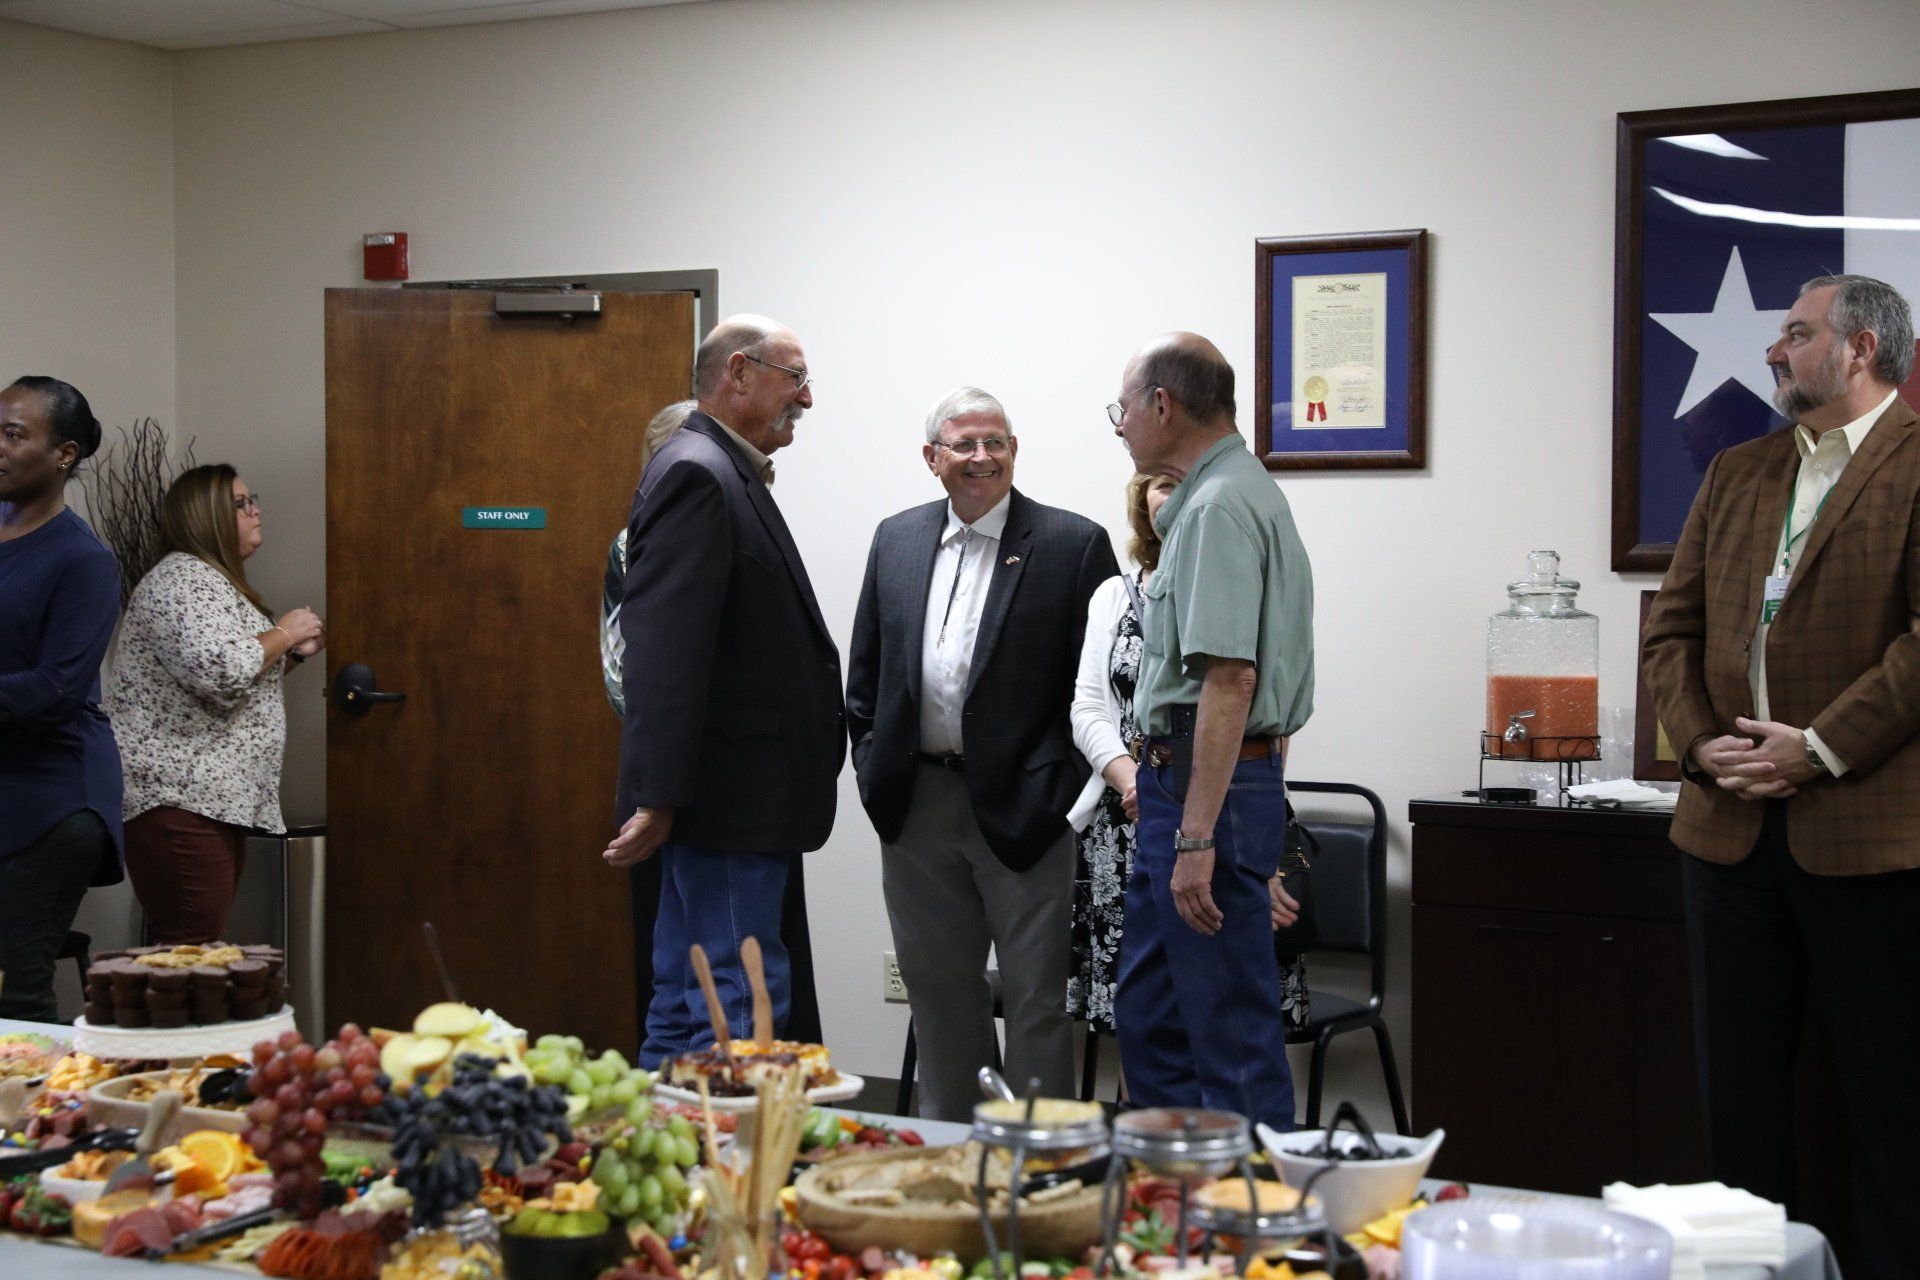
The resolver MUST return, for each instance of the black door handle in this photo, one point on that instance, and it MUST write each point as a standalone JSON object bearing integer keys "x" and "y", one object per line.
{"x": 354, "y": 691}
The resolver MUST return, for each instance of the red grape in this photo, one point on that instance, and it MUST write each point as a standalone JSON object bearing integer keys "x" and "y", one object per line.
{"x": 328, "y": 1058}
{"x": 349, "y": 1033}
{"x": 290, "y": 1097}
{"x": 313, "y": 1121}
{"x": 263, "y": 1111}
{"x": 370, "y": 1096}
{"x": 302, "y": 1058}
{"x": 288, "y": 1039}
{"x": 277, "y": 1070}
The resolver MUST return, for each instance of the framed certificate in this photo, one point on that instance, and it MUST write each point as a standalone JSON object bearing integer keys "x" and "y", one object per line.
{"x": 1341, "y": 351}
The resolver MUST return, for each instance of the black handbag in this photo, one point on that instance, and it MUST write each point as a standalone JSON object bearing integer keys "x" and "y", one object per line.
{"x": 1296, "y": 877}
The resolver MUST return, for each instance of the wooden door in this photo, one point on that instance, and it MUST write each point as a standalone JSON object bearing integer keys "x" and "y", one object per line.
{"x": 481, "y": 802}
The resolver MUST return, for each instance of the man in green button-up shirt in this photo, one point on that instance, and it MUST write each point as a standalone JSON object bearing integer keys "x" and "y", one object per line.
{"x": 1226, "y": 673}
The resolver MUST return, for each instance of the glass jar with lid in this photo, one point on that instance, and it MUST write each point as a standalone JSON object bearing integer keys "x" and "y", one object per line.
{"x": 1543, "y": 670}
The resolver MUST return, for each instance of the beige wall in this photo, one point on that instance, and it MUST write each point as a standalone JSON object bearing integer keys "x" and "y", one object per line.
{"x": 86, "y": 250}
{"x": 1016, "y": 194}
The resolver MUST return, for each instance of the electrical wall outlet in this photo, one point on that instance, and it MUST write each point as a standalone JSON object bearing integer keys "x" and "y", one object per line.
{"x": 894, "y": 990}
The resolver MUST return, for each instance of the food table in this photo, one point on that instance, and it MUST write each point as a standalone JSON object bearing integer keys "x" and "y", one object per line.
{"x": 1808, "y": 1255}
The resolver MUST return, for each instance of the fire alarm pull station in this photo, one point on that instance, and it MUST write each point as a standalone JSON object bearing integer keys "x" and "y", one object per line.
{"x": 385, "y": 255}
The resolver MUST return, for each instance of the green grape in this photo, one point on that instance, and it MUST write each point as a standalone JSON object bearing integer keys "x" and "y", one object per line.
{"x": 603, "y": 1166}
{"x": 671, "y": 1182}
{"x": 599, "y": 1097}
{"x": 681, "y": 1127}
{"x": 639, "y": 1110}
{"x": 626, "y": 1089}
{"x": 650, "y": 1195}
{"x": 580, "y": 1082}
{"x": 689, "y": 1154}
{"x": 550, "y": 1042}
{"x": 600, "y": 1071}
{"x": 617, "y": 1175}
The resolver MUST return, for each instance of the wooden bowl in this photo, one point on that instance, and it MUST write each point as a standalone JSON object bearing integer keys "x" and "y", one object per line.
{"x": 1064, "y": 1227}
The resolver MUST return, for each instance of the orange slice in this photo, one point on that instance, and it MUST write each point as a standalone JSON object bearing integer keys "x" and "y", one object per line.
{"x": 216, "y": 1152}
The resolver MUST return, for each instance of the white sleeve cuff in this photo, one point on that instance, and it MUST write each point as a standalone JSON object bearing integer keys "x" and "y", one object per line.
{"x": 1835, "y": 765}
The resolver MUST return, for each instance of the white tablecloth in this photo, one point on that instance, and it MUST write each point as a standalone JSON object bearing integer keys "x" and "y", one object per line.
{"x": 1809, "y": 1257}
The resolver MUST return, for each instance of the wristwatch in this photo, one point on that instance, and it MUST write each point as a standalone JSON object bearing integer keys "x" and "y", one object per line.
{"x": 1186, "y": 844}
{"x": 1814, "y": 762}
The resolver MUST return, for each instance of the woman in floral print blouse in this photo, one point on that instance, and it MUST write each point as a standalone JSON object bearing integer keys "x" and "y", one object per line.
{"x": 196, "y": 704}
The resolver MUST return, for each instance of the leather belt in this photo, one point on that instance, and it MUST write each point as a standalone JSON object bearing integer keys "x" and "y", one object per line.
{"x": 1159, "y": 752}
{"x": 944, "y": 759}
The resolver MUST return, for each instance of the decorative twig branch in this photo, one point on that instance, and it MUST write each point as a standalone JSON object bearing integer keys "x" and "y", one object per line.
{"x": 126, "y": 484}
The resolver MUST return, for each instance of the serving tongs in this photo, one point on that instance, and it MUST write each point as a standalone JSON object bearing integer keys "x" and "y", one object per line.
{"x": 201, "y": 1237}
{"x": 159, "y": 1115}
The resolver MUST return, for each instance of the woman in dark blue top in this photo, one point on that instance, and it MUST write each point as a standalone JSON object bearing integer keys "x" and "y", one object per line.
{"x": 59, "y": 769}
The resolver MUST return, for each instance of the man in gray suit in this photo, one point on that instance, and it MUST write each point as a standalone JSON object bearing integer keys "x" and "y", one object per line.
{"x": 965, "y": 647}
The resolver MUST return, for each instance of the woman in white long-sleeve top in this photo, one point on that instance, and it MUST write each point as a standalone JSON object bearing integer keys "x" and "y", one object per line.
{"x": 196, "y": 704}
{"x": 1104, "y": 815}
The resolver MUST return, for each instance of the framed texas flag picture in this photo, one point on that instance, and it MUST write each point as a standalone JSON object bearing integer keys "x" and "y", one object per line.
{"x": 1721, "y": 214}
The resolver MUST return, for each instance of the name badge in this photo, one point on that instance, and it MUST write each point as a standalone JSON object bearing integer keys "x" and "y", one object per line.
{"x": 1771, "y": 596}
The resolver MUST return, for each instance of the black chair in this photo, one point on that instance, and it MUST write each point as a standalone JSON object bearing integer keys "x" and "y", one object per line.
{"x": 1350, "y": 904}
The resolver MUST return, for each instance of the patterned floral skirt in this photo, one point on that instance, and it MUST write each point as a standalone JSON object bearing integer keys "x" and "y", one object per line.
{"x": 1105, "y": 857}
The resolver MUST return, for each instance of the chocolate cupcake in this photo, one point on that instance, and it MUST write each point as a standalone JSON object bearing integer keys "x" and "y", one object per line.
{"x": 131, "y": 1015}
{"x": 248, "y": 1010}
{"x": 207, "y": 977}
{"x": 118, "y": 953}
{"x": 158, "y": 1000}
{"x": 277, "y": 990}
{"x": 167, "y": 980}
{"x": 208, "y": 1011}
{"x": 248, "y": 973}
{"x": 98, "y": 1014}
{"x": 128, "y": 980}
{"x": 168, "y": 1018}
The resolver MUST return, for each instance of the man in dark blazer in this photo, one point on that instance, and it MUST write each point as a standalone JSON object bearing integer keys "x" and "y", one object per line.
{"x": 965, "y": 647}
{"x": 734, "y": 728}
{"x": 1784, "y": 657}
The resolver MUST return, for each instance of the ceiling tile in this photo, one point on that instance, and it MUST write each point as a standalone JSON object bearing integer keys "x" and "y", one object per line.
{"x": 446, "y": 14}
{"x": 266, "y": 35}
{"x": 143, "y": 21}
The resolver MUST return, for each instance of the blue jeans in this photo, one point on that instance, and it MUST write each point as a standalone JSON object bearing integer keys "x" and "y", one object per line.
{"x": 717, "y": 900}
{"x": 1199, "y": 1018}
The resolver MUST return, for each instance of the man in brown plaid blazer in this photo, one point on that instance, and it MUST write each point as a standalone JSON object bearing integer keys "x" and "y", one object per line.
{"x": 1783, "y": 652}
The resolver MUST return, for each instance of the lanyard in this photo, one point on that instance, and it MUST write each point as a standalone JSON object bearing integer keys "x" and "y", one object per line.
{"x": 966, "y": 536}
{"x": 1788, "y": 538}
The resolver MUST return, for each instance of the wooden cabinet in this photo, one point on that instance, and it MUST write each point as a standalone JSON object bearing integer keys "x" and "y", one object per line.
{"x": 1552, "y": 1033}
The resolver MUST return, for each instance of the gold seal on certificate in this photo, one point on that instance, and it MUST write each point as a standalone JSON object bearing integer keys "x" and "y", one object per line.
{"x": 1314, "y": 389}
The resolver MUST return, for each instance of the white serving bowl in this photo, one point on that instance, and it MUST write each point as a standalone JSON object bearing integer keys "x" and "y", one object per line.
{"x": 1354, "y": 1191}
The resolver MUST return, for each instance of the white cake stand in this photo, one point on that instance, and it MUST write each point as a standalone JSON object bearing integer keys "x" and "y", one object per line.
{"x": 145, "y": 1043}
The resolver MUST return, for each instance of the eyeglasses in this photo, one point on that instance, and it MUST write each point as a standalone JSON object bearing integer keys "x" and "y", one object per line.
{"x": 247, "y": 505}
{"x": 801, "y": 378}
{"x": 992, "y": 446}
{"x": 1118, "y": 409}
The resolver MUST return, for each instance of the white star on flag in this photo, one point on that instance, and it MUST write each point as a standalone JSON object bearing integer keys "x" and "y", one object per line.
{"x": 1729, "y": 342}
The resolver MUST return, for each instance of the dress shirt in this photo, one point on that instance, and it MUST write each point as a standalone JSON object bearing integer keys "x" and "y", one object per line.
{"x": 1822, "y": 460}
{"x": 761, "y": 462}
{"x": 955, "y": 596}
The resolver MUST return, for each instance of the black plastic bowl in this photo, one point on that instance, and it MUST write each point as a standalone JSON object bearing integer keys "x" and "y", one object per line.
{"x": 562, "y": 1257}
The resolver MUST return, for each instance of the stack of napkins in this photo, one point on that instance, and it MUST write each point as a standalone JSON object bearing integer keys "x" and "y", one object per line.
{"x": 1712, "y": 1224}
{"x": 1626, "y": 793}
